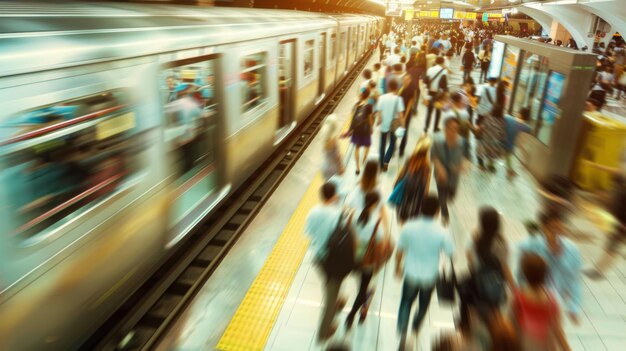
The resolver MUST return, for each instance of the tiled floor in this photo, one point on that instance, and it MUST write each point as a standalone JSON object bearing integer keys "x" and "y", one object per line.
{"x": 602, "y": 326}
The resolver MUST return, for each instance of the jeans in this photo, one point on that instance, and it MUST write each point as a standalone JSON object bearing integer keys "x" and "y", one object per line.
{"x": 410, "y": 291}
{"x": 406, "y": 136}
{"x": 331, "y": 293}
{"x": 446, "y": 193}
{"x": 431, "y": 107}
{"x": 385, "y": 157}
{"x": 361, "y": 297}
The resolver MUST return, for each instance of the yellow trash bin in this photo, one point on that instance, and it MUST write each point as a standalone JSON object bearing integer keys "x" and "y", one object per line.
{"x": 602, "y": 142}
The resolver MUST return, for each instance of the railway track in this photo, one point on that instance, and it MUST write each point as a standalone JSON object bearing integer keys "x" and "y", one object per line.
{"x": 145, "y": 317}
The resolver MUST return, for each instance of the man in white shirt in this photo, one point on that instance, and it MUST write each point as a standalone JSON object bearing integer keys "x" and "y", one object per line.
{"x": 422, "y": 240}
{"x": 487, "y": 99}
{"x": 437, "y": 84}
{"x": 419, "y": 39}
{"x": 367, "y": 77}
{"x": 320, "y": 225}
{"x": 389, "y": 107}
{"x": 394, "y": 58}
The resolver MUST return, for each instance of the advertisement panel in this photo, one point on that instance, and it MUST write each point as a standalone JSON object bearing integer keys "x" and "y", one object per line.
{"x": 551, "y": 110}
{"x": 446, "y": 13}
{"x": 497, "y": 56}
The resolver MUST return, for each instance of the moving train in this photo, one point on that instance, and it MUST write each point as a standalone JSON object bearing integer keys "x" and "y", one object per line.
{"x": 123, "y": 125}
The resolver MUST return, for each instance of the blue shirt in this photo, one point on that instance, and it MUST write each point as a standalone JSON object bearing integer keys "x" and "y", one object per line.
{"x": 320, "y": 224}
{"x": 564, "y": 275}
{"x": 422, "y": 241}
{"x": 513, "y": 128}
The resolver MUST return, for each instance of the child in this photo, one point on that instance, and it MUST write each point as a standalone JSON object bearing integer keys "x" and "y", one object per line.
{"x": 513, "y": 127}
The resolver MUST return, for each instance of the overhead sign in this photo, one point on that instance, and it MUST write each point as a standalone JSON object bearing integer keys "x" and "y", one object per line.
{"x": 408, "y": 14}
{"x": 393, "y": 8}
{"x": 446, "y": 13}
{"x": 429, "y": 14}
{"x": 465, "y": 15}
{"x": 493, "y": 17}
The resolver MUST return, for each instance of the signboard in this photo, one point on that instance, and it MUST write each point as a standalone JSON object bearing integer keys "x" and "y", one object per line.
{"x": 393, "y": 9}
{"x": 497, "y": 17}
{"x": 446, "y": 13}
{"x": 408, "y": 14}
{"x": 465, "y": 15}
{"x": 509, "y": 67}
{"x": 429, "y": 14}
{"x": 497, "y": 56}
{"x": 551, "y": 110}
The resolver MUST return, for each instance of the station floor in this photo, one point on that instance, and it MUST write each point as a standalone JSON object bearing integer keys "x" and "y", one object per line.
{"x": 266, "y": 294}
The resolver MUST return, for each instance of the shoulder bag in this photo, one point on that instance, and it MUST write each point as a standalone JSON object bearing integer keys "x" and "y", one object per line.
{"x": 396, "y": 122}
{"x": 378, "y": 252}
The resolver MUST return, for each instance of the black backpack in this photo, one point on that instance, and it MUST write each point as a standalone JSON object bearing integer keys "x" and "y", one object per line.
{"x": 490, "y": 283}
{"x": 339, "y": 261}
{"x": 360, "y": 120}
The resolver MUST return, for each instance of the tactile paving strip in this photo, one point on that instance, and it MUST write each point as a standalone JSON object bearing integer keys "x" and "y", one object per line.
{"x": 254, "y": 320}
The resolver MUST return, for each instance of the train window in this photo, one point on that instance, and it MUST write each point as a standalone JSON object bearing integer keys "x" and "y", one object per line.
{"x": 308, "y": 57}
{"x": 61, "y": 159}
{"x": 353, "y": 42}
{"x": 342, "y": 45}
{"x": 333, "y": 47}
{"x": 188, "y": 92}
{"x": 252, "y": 79}
{"x": 361, "y": 36}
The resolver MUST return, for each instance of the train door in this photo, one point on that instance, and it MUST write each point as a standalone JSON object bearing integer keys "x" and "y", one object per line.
{"x": 286, "y": 83}
{"x": 322, "y": 65}
{"x": 191, "y": 106}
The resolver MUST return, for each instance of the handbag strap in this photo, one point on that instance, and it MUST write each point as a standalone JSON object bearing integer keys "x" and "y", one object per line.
{"x": 370, "y": 244}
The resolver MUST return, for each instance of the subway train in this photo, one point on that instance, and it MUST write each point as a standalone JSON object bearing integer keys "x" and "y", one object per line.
{"x": 123, "y": 125}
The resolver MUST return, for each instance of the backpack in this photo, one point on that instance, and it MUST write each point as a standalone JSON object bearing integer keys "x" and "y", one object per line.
{"x": 339, "y": 261}
{"x": 360, "y": 122}
{"x": 490, "y": 284}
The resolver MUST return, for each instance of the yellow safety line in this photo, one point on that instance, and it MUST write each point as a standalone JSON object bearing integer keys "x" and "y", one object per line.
{"x": 255, "y": 318}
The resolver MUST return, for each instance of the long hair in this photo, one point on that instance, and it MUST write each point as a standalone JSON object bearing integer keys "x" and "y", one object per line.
{"x": 371, "y": 199}
{"x": 418, "y": 160}
{"x": 489, "y": 232}
{"x": 369, "y": 177}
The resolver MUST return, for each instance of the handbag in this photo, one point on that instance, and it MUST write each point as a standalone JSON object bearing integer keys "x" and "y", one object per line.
{"x": 396, "y": 122}
{"x": 378, "y": 252}
{"x": 446, "y": 287}
{"x": 395, "y": 199}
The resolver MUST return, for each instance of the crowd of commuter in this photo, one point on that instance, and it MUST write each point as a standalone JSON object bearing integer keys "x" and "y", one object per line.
{"x": 498, "y": 308}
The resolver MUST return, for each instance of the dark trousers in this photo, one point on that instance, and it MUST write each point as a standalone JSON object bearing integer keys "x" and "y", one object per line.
{"x": 446, "y": 192}
{"x": 410, "y": 291}
{"x": 483, "y": 73}
{"x": 429, "y": 112}
{"x": 361, "y": 297}
{"x": 467, "y": 73}
{"x": 406, "y": 136}
{"x": 332, "y": 286}
{"x": 385, "y": 156}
